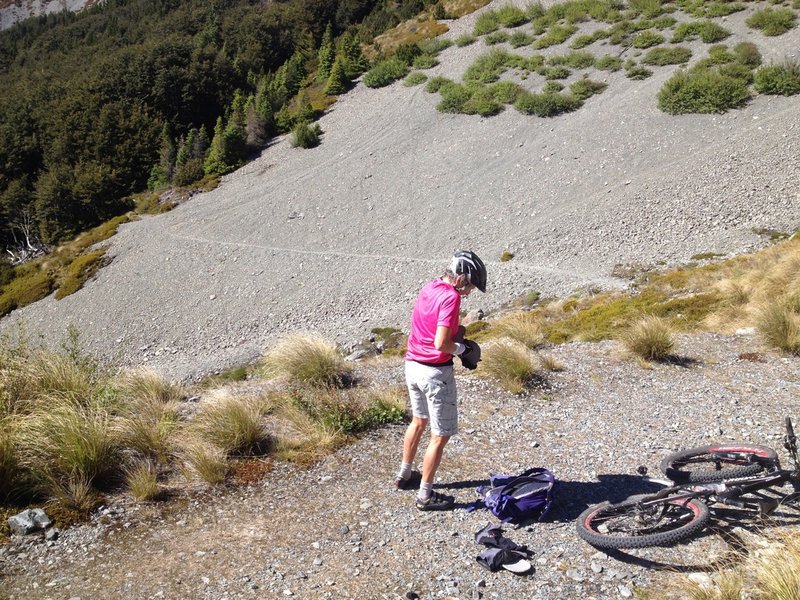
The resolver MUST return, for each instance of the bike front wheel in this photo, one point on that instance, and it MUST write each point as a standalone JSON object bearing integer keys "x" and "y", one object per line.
{"x": 642, "y": 522}
{"x": 716, "y": 462}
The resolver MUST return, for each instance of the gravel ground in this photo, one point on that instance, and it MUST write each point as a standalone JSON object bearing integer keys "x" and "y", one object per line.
{"x": 339, "y": 238}
{"x": 339, "y": 529}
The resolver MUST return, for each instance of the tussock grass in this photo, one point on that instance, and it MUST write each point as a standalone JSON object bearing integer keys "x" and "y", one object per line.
{"x": 778, "y": 570}
{"x": 68, "y": 443}
{"x": 779, "y": 325}
{"x": 524, "y": 327}
{"x": 650, "y": 337}
{"x": 307, "y": 359}
{"x": 142, "y": 480}
{"x": 9, "y": 462}
{"x": 510, "y": 362}
{"x": 75, "y": 493}
{"x": 204, "y": 461}
{"x": 233, "y": 424}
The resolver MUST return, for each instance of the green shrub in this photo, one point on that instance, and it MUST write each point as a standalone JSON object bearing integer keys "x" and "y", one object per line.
{"x": 520, "y": 38}
{"x": 407, "y": 52}
{"x": 498, "y": 37}
{"x": 608, "y": 63}
{"x": 583, "y": 40}
{"x": 512, "y": 16}
{"x": 718, "y": 9}
{"x": 415, "y": 78}
{"x": 579, "y": 60}
{"x": 737, "y": 71}
{"x": 747, "y": 54}
{"x": 702, "y": 91}
{"x": 454, "y": 97}
{"x": 646, "y": 39}
{"x": 306, "y": 135}
{"x": 545, "y": 105}
{"x": 773, "y": 21}
{"x": 425, "y": 61}
{"x": 434, "y": 46}
{"x": 79, "y": 272}
{"x": 28, "y": 287}
{"x": 556, "y": 34}
{"x": 436, "y": 83}
{"x": 488, "y": 67}
{"x": 557, "y": 72}
{"x": 482, "y": 102}
{"x": 505, "y": 92}
{"x": 665, "y": 22}
{"x": 6, "y": 272}
{"x": 486, "y": 22}
{"x": 781, "y": 80}
{"x": 464, "y": 40}
{"x": 551, "y": 87}
{"x": 708, "y": 31}
{"x": 385, "y": 72}
{"x": 637, "y": 72}
{"x": 586, "y": 88}
{"x": 646, "y": 8}
{"x": 667, "y": 56}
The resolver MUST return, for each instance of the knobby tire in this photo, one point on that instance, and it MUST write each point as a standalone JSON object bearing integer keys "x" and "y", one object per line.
{"x": 704, "y": 465}
{"x": 627, "y": 524}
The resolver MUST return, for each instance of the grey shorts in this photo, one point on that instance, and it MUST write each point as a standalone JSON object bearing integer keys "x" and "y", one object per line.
{"x": 433, "y": 396}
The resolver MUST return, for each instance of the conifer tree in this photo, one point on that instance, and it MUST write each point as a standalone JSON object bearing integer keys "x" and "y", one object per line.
{"x": 305, "y": 112}
{"x": 162, "y": 172}
{"x": 327, "y": 53}
{"x": 355, "y": 61}
{"x": 338, "y": 81}
{"x": 215, "y": 161}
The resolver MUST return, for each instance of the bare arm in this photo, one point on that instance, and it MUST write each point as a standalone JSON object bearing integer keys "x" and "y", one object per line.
{"x": 443, "y": 341}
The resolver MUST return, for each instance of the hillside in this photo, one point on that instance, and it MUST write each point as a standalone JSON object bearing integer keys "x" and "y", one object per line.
{"x": 14, "y": 11}
{"x": 338, "y": 238}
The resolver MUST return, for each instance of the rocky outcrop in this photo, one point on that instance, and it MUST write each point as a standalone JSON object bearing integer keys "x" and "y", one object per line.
{"x": 14, "y": 11}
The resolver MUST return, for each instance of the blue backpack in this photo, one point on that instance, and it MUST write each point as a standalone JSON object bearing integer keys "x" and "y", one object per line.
{"x": 517, "y": 498}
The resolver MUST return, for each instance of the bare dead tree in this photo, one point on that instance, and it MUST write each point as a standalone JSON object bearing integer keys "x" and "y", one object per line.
{"x": 27, "y": 243}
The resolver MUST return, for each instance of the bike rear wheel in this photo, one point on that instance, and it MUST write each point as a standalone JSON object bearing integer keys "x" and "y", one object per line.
{"x": 716, "y": 462}
{"x": 630, "y": 524}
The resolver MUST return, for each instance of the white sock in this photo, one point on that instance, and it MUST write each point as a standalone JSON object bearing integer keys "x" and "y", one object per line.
{"x": 425, "y": 490}
{"x": 405, "y": 471}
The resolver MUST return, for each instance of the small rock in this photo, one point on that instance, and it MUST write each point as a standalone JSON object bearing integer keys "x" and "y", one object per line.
{"x": 412, "y": 595}
{"x": 624, "y": 591}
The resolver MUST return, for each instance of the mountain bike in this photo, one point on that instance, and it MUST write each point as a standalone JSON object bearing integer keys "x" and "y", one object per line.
{"x": 733, "y": 474}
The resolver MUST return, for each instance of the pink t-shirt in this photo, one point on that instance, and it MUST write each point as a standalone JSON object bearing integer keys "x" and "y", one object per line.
{"x": 438, "y": 303}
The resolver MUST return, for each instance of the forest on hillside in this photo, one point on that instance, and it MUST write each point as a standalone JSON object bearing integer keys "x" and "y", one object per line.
{"x": 138, "y": 94}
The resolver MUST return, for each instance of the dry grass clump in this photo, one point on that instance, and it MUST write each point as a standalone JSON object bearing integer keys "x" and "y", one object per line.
{"x": 9, "y": 463}
{"x": 69, "y": 442}
{"x": 510, "y": 362}
{"x": 150, "y": 414}
{"x": 725, "y": 585}
{"x": 233, "y": 424}
{"x": 650, "y": 337}
{"x": 771, "y": 570}
{"x": 779, "y": 325}
{"x": 204, "y": 461}
{"x": 777, "y": 570}
{"x": 524, "y": 327}
{"x": 307, "y": 359}
{"x": 141, "y": 478}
